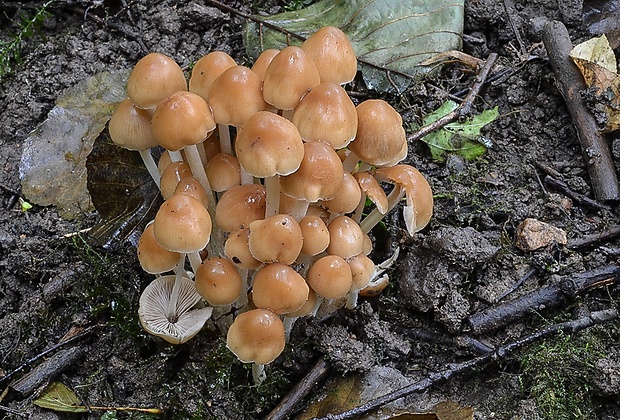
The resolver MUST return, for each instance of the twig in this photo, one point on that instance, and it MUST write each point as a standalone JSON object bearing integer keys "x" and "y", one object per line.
{"x": 570, "y": 82}
{"x": 466, "y": 342}
{"x": 594, "y": 238}
{"x": 464, "y": 109}
{"x": 518, "y": 284}
{"x": 285, "y": 407}
{"x": 579, "y": 198}
{"x": 548, "y": 297}
{"x": 502, "y": 353}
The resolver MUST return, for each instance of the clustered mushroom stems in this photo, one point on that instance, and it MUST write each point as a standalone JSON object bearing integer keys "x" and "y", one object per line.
{"x": 276, "y": 211}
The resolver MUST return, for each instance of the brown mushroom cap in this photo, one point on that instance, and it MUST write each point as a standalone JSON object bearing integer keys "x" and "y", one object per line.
{"x": 262, "y": 62}
{"x": 289, "y": 76}
{"x": 362, "y": 269}
{"x": 326, "y": 113}
{"x": 235, "y": 96}
{"x": 330, "y": 277}
{"x": 130, "y": 127}
{"x": 182, "y": 224}
{"x": 319, "y": 176}
{"x": 371, "y": 188}
{"x": 170, "y": 177}
{"x": 347, "y": 200}
{"x": 182, "y": 119}
{"x": 279, "y": 288}
{"x": 346, "y": 238}
{"x": 190, "y": 186}
{"x": 256, "y": 336}
{"x": 277, "y": 238}
{"x": 218, "y": 281}
{"x": 206, "y": 70}
{"x": 315, "y": 234}
{"x": 240, "y": 206}
{"x": 380, "y": 135}
{"x": 153, "y": 78}
{"x": 223, "y": 171}
{"x": 333, "y": 55}
{"x": 237, "y": 250}
{"x": 153, "y": 257}
{"x": 268, "y": 145}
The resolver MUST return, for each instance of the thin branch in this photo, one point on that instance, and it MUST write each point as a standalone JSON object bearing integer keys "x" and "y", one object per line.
{"x": 594, "y": 238}
{"x": 464, "y": 109}
{"x": 502, "y": 353}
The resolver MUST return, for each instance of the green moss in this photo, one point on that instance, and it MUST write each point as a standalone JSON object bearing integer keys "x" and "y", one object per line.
{"x": 556, "y": 375}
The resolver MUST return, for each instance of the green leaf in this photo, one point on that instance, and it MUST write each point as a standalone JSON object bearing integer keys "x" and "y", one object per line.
{"x": 58, "y": 397}
{"x": 396, "y": 35}
{"x": 462, "y": 138}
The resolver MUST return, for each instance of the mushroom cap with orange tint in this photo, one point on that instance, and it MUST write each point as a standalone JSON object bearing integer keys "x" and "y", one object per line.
{"x": 206, "y": 70}
{"x": 182, "y": 119}
{"x": 240, "y": 206}
{"x": 333, "y": 54}
{"x": 130, "y": 127}
{"x": 279, "y": 288}
{"x": 277, "y": 238}
{"x": 237, "y": 250}
{"x": 347, "y": 200}
{"x": 330, "y": 277}
{"x": 223, "y": 171}
{"x": 218, "y": 281}
{"x": 371, "y": 188}
{"x": 153, "y": 78}
{"x": 256, "y": 336}
{"x": 262, "y": 62}
{"x": 182, "y": 224}
{"x": 171, "y": 175}
{"x": 346, "y": 238}
{"x": 315, "y": 234}
{"x": 153, "y": 257}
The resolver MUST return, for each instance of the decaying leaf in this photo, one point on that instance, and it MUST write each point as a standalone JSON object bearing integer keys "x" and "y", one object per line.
{"x": 122, "y": 191}
{"x": 445, "y": 410}
{"x": 59, "y": 397}
{"x": 53, "y": 163}
{"x": 597, "y": 63}
{"x": 396, "y": 35}
{"x": 462, "y": 138}
{"x": 344, "y": 394}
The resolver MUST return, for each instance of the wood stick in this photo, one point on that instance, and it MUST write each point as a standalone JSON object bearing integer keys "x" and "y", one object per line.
{"x": 502, "y": 353}
{"x": 594, "y": 238}
{"x": 570, "y": 82}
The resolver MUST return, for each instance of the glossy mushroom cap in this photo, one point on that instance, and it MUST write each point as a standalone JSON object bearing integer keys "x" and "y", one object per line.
{"x": 223, "y": 171}
{"x": 218, "y": 281}
{"x": 237, "y": 250}
{"x": 290, "y": 75}
{"x": 347, "y": 200}
{"x": 262, "y": 62}
{"x": 240, "y": 206}
{"x": 333, "y": 54}
{"x": 345, "y": 237}
{"x": 268, "y": 145}
{"x": 256, "y": 336}
{"x": 170, "y": 177}
{"x": 206, "y": 70}
{"x": 279, "y": 288}
{"x": 327, "y": 114}
{"x": 380, "y": 135}
{"x": 330, "y": 277}
{"x": 315, "y": 234}
{"x": 362, "y": 270}
{"x": 130, "y": 127}
{"x": 153, "y": 257}
{"x": 153, "y": 78}
{"x": 182, "y": 119}
{"x": 182, "y": 224}
{"x": 277, "y": 238}
{"x": 371, "y": 189}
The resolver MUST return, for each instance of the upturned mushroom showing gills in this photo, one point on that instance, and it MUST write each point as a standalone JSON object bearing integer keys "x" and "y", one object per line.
{"x": 280, "y": 208}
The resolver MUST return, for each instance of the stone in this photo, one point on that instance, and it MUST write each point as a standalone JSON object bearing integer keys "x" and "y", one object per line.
{"x": 533, "y": 234}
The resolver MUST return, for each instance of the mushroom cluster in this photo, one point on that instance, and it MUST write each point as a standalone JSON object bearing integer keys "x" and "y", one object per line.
{"x": 266, "y": 175}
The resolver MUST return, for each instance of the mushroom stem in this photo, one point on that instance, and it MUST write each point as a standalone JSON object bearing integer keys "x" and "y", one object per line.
{"x": 198, "y": 170}
{"x": 350, "y": 163}
{"x": 175, "y": 156}
{"x": 352, "y": 299}
{"x": 288, "y": 114}
{"x": 258, "y": 373}
{"x": 150, "y": 164}
{"x": 272, "y": 196}
{"x": 289, "y": 322}
{"x": 375, "y": 215}
{"x": 225, "y": 143}
{"x": 194, "y": 260}
{"x": 174, "y": 296}
{"x": 300, "y": 209}
{"x": 243, "y": 296}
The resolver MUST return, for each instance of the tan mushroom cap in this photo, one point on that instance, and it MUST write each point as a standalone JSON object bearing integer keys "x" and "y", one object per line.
{"x": 153, "y": 257}
{"x": 306, "y": 308}
{"x": 240, "y": 206}
{"x": 346, "y": 238}
{"x": 290, "y": 75}
{"x": 237, "y": 250}
{"x": 279, "y": 288}
{"x": 347, "y": 200}
{"x": 223, "y": 171}
{"x": 182, "y": 119}
{"x": 371, "y": 189}
{"x": 170, "y": 177}
{"x": 330, "y": 277}
{"x": 268, "y": 145}
{"x": 362, "y": 270}
{"x": 212, "y": 145}
{"x": 206, "y": 70}
{"x": 182, "y": 224}
{"x": 235, "y": 96}
{"x": 190, "y": 186}
{"x": 262, "y": 62}
{"x": 153, "y": 78}
{"x": 256, "y": 336}
{"x": 187, "y": 322}
{"x": 419, "y": 206}
{"x": 130, "y": 127}
{"x": 218, "y": 281}
{"x": 331, "y": 50}
{"x": 315, "y": 234}
{"x": 277, "y": 238}
{"x": 380, "y": 135}
{"x": 319, "y": 176}
{"x": 326, "y": 113}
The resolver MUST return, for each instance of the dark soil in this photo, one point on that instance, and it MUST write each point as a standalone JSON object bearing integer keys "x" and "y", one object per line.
{"x": 52, "y": 280}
